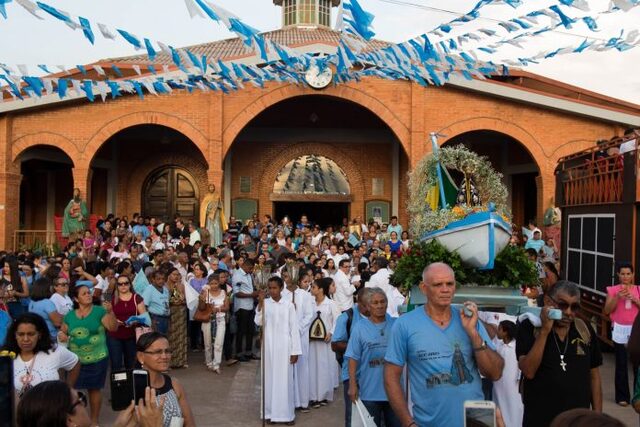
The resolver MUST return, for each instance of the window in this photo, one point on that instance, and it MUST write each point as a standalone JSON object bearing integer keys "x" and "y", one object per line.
{"x": 590, "y": 250}
{"x": 324, "y": 12}
{"x": 289, "y": 10}
{"x": 311, "y": 174}
{"x": 307, "y": 11}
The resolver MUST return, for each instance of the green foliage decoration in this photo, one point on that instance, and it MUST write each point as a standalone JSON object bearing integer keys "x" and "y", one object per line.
{"x": 511, "y": 269}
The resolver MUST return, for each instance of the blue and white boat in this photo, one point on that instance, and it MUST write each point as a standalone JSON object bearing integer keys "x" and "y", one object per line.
{"x": 478, "y": 238}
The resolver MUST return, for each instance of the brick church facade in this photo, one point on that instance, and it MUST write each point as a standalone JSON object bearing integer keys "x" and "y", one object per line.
{"x": 157, "y": 156}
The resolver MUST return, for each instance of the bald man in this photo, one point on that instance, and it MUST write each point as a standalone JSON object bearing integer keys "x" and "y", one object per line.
{"x": 445, "y": 352}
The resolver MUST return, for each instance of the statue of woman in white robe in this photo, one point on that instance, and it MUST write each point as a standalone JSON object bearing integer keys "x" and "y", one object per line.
{"x": 212, "y": 216}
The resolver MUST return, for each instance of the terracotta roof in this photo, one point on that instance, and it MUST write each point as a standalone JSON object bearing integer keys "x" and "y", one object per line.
{"x": 235, "y": 48}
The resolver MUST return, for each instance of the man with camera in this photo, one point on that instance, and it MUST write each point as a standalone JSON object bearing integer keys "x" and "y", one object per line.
{"x": 559, "y": 360}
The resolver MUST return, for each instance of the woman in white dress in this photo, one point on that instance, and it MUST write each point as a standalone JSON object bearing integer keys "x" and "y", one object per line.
{"x": 323, "y": 367}
{"x": 505, "y": 390}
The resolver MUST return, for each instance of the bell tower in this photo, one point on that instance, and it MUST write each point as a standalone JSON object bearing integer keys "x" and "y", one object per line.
{"x": 306, "y": 13}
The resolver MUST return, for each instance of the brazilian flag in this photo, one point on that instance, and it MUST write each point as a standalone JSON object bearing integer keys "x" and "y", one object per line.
{"x": 450, "y": 191}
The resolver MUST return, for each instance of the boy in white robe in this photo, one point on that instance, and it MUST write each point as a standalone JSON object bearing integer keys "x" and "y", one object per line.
{"x": 281, "y": 350}
{"x": 303, "y": 303}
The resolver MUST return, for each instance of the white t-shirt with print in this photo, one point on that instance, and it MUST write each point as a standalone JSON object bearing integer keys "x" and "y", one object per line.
{"x": 45, "y": 367}
{"x": 63, "y": 303}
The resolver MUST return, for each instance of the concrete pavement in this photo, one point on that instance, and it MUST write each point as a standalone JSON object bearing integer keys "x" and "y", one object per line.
{"x": 232, "y": 399}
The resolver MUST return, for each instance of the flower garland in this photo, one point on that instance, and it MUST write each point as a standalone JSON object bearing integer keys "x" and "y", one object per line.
{"x": 424, "y": 176}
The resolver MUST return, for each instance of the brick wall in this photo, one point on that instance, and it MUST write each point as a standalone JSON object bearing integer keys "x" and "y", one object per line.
{"x": 212, "y": 121}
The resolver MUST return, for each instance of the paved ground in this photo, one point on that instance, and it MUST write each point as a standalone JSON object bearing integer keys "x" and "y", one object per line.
{"x": 232, "y": 398}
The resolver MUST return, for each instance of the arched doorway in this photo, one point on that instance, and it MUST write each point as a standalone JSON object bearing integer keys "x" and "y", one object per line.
{"x": 124, "y": 164}
{"x": 46, "y": 186}
{"x": 344, "y": 131}
{"x": 518, "y": 167}
{"x": 170, "y": 191}
{"x": 312, "y": 185}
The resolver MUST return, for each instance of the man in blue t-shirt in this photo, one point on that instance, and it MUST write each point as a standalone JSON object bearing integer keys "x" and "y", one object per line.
{"x": 340, "y": 340}
{"x": 443, "y": 350}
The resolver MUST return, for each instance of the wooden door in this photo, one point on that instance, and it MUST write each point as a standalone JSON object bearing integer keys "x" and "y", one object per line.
{"x": 170, "y": 191}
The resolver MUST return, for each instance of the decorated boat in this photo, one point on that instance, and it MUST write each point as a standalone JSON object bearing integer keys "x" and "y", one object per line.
{"x": 477, "y": 238}
{"x": 455, "y": 215}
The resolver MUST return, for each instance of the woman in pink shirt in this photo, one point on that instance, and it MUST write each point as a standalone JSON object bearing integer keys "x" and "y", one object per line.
{"x": 622, "y": 306}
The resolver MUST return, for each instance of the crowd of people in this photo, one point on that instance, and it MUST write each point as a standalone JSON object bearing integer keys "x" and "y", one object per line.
{"x": 143, "y": 293}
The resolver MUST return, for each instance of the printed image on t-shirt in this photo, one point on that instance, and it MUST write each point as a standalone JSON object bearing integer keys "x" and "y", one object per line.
{"x": 458, "y": 374}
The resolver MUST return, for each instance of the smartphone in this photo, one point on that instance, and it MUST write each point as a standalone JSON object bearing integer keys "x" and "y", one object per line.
{"x": 555, "y": 314}
{"x": 140, "y": 383}
{"x": 479, "y": 413}
{"x": 6, "y": 392}
{"x": 127, "y": 385}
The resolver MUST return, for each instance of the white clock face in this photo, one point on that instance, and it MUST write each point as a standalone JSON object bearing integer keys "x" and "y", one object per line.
{"x": 317, "y": 79}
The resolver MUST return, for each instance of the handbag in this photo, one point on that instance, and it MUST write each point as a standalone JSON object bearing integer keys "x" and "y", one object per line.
{"x": 204, "y": 315}
{"x": 141, "y": 329}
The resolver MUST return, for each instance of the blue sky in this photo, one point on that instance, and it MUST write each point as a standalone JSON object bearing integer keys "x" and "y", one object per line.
{"x": 26, "y": 40}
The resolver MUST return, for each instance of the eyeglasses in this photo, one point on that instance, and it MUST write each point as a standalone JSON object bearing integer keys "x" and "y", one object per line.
{"x": 562, "y": 305}
{"x": 124, "y": 283}
{"x": 82, "y": 400}
{"x": 157, "y": 353}
{"x": 62, "y": 283}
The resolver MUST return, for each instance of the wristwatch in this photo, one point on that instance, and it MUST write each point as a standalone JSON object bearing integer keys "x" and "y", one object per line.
{"x": 483, "y": 346}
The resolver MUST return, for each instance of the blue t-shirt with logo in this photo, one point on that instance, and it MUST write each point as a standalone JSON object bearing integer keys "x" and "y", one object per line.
{"x": 340, "y": 335}
{"x": 442, "y": 368}
{"x": 367, "y": 346}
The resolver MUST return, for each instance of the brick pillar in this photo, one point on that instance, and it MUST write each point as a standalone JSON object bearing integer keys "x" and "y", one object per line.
{"x": 9, "y": 207}
{"x": 81, "y": 180}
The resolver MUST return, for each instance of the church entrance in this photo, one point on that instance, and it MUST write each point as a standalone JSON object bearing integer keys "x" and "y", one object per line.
{"x": 169, "y": 191}
{"x": 321, "y": 213}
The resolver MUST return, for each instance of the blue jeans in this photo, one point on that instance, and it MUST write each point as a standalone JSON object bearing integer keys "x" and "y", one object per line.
{"x": 347, "y": 402}
{"x": 382, "y": 410}
{"x": 119, "y": 350}
{"x": 159, "y": 323}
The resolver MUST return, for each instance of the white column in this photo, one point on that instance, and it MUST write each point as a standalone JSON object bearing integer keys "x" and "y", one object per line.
{"x": 395, "y": 178}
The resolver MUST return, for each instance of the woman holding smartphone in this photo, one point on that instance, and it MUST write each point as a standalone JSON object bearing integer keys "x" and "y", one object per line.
{"x": 154, "y": 355}
{"x": 622, "y": 306}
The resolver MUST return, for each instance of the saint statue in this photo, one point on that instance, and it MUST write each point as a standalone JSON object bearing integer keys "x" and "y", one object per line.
{"x": 75, "y": 215}
{"x": 468, "y": 193}
{"x": 212, "y": 216}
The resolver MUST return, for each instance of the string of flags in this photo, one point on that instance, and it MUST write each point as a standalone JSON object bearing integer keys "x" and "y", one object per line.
{"x": 422, "y": 59}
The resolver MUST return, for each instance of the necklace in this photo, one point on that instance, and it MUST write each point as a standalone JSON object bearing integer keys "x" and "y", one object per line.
{"x": 563, "y": 365}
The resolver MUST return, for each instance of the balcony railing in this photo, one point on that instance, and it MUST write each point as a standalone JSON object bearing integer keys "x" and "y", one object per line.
{"x": 594, "y": 176}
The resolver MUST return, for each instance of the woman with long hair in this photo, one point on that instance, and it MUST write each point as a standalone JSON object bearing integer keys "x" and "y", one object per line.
{"x": 178, "y": 318}
{"x": 122, "y": 342}
{"x": 322, "y": 362}
{"x": 13, "y": 287}
{"x": 330, "y": 268}
{"x": 37, "y": 359}
{"x": 84, "y": 329}
{"x": 154, "y": 355}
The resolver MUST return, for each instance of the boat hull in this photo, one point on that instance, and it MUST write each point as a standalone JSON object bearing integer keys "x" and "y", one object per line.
{"x": 478, "y": 238}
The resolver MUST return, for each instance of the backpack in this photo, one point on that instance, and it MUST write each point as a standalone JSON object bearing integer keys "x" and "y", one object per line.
{"x": 585, "y": 335}
{"x": 340, "y": 354}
